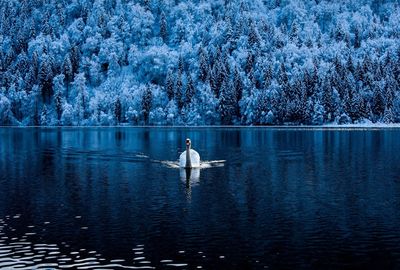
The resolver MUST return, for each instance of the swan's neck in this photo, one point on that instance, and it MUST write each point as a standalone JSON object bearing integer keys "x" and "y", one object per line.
{"x": 188, "y": 160}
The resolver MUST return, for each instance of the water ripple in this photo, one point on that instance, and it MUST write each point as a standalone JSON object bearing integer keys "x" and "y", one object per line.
{"x": 21, "y": 253}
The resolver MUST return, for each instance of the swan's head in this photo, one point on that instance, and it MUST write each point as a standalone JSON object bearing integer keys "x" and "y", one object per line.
{"x": 188, "y": 142}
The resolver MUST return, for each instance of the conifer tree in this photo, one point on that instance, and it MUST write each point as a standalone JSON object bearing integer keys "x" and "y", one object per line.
{"x": 58, "y": 84}
{"x": 147, "y": 101}
{"x": 45, "y": 77}
{"x": 170, "y": 85}
{"x": 267, "y": 76}
{"x": 227, "y": 103}
{"x": 254, "y": 36}
{"x": 203, "y": 65}
{"x": 118, "y": 110}
{"x": 190, "y": 91}
{"x": 357, "y": 38}
{"x": 378, "y": 102}
{"x": 327, "y": 99}
{"x": 163, "y": 27}
{"x": 178, "y": 91}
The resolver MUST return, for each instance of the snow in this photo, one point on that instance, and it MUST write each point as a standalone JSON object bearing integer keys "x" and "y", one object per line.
{"x": 200, "y": 63}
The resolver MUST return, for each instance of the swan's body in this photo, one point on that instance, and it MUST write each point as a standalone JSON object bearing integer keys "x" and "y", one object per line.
{"x": 194, "y": 159}
{"x": 189, "y": 158}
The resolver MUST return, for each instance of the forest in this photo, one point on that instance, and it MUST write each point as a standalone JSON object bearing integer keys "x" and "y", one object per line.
{"x": 199, "y": 62}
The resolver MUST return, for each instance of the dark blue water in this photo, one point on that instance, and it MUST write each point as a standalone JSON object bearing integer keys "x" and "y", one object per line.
{"x": 283, "y": 199}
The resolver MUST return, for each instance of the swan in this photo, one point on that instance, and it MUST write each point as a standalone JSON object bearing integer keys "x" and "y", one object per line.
{"x": 189, "y": 158}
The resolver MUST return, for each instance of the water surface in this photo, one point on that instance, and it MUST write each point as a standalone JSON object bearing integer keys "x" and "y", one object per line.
{"x": 107, "y": 198}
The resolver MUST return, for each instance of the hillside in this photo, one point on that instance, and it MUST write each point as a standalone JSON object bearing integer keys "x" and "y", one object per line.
{"x": 171, "y": 62}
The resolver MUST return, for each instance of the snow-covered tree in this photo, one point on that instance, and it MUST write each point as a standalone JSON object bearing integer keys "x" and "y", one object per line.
{"x": 82, "y": 98}
{"x": 170, "y": 85}
{"x": 163, "y": 27}
{"x": 190, "y": 90}
{"x": 227, "y": 103}
{"x": 58, "y": 85}
{"x": 118, "y": 110}
{"x": 299, "y": 59}
{"x": 146, "y": 104}
{"x": 45, "y": 77}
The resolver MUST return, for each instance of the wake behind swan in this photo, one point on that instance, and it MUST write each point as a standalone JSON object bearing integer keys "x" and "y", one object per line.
{"x": 203, "y": 164}
{"x": 190, "y": 159}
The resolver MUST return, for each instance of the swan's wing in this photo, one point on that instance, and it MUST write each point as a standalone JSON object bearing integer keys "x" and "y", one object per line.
{"x": 194, "y": 158}
{"x": 182, "y": 159}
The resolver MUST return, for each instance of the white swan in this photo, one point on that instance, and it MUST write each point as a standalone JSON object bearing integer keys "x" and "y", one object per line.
{"x": 189, "y": 158}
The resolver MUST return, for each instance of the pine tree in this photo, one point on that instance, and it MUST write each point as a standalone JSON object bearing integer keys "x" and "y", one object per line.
{"x": 367, "y": 64}
{"x": 82, "y": 99}
{"x": 147, "y": 5}
{"x": 357, "y": 39}
{"x": 181, "y": 65}
{"x": 262, "y": 107}
{"x": 355, "y": 104}
{"x": 390, "y": 90}
{"x": 46, "y": 27}
{"x": 378, "y": 102}
{"x": 58, "y": 104}
{"x": 249, "y": 62}
{"x": 388, "y": 116}
{"x": 254, "y": 36}
{"x": 61, "y": 14}
{"x": 75, "y": 58}
{"x": 163, "y": 27}
{"x": 227, "y": 103}
{"x": 339, "y": 33}
{"x": 178, "y": 91}
{"x": 238, "y": 88}
{"x": 350, "y": 65}
{"x": 147, "y": 101}
{"x": 283, "y": 78}
{"x": 35, "y": 64}
{"x": 237, "y": 85}
{"x": 36, "y": 96}
{"x": 294, "y": 34}
{"x": 267, "y": 76}
{"x": 58, "y": 85}
{"x": 309, "y": 82}
{"x": 203, "y": 65}
{"x": 221, "y": 76}
{"x": 358, "y": 74}
{"x": 22, "y": 63}
{"x": 67, "y": 71}
{"x": 118, "y": 110}
{"x": 45, "y": 77}
{"x": 170, "y": 85}
{"x": 29, "y": 79}
{"x": 213, "y": 80}
{"x": 237, "y": 32}
{"x": 44, "y": 116}
{"x": 190, "y": 91}
{"x": 229, "y": 30}
{"x": 327, "y": 99}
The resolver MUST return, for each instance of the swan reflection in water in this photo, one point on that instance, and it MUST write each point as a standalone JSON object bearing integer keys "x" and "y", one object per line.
{"x": 191, "y": 178}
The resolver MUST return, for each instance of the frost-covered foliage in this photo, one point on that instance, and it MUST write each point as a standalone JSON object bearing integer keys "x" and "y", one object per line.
{"x": 198, "y": 62}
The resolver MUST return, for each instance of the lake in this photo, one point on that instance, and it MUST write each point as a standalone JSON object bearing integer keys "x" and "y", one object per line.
{"x": 278, "y": 198}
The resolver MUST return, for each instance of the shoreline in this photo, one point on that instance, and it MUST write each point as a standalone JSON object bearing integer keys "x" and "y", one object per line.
{"x": 303, "y": 127}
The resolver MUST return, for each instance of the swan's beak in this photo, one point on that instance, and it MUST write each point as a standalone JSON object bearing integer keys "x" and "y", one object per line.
{"x": 187, "y": 142}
